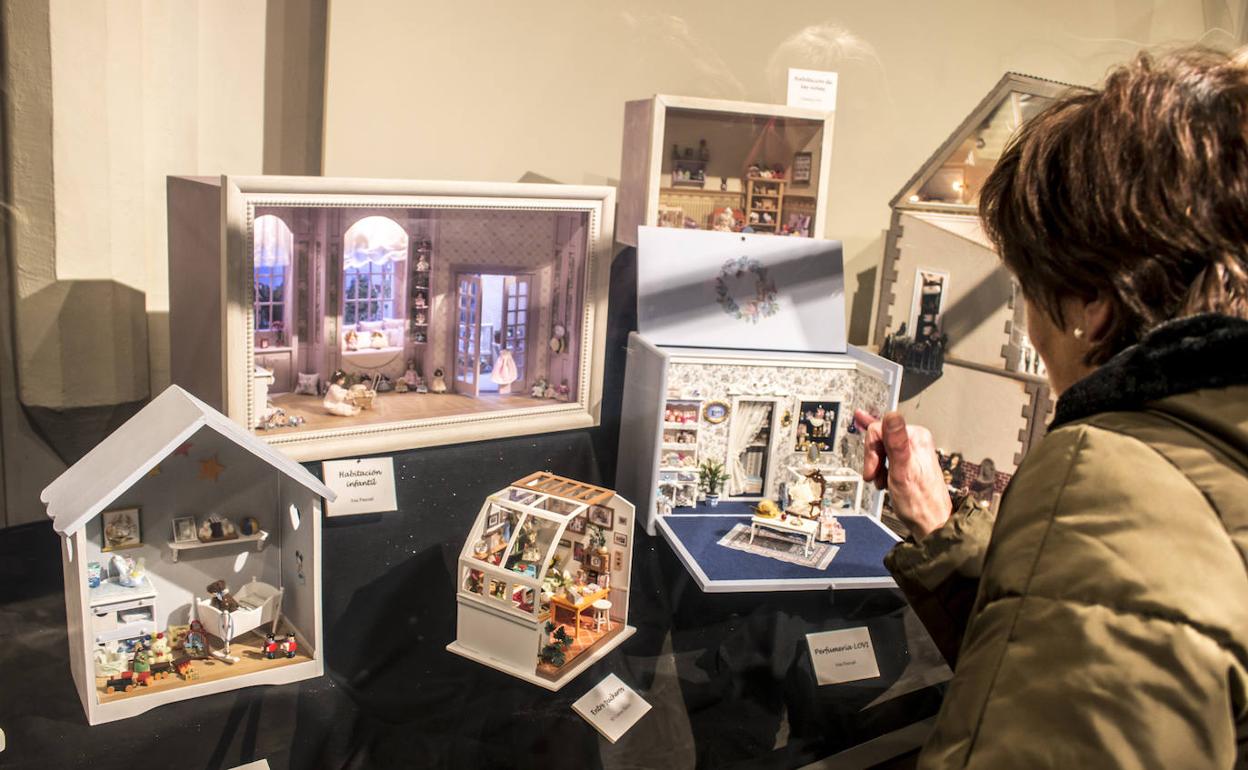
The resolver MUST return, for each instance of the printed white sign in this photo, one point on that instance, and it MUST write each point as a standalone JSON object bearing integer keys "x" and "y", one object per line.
{"x": 846, "y": 655}
{"x": 363, "y": 486}
{"x": 812, "y": 90}
{"x": 259, "y": 764}
{"x": 612, "y": 707}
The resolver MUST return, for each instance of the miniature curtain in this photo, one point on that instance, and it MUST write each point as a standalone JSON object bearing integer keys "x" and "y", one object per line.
{"x": 273, "y": 241}
{"x": 747, "y": 420}
{"x": 373, "y": 241}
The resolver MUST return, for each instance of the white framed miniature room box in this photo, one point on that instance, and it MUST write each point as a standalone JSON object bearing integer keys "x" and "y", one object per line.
{"x": 543, "y": 579}
{"x": 339, "y": 317}
{"x": 711, "y": 164}
{"x": 949, "y": 311}
{"x": 745, "y": 460}
{"x": 191, "y": 554}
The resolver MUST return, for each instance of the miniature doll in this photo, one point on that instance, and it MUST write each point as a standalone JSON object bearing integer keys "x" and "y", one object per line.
{"x": 196, "y": 643}
{"x": 564, "y": 391}
{"x": 538, "y": 388}
{"x": 351, "y": 340}
{"x": 336, "y": 401}
{"x": 505, "y": 371}
{"x": 422, "y": 261}
{"x": 549, "y": 392}
{"x": 724, "y": 222}
{"x": 420, "y": 303}
{"x": 438, "y": 383}
{"x": 270, "y": 646}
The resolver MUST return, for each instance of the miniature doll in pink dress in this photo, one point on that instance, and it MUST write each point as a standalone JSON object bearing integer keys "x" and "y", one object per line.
{"x": 336, "y": 397}
{"x": 505, "y": 371}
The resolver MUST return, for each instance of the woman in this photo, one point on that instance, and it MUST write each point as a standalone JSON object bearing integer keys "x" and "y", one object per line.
{"x": 1105, "y": 623}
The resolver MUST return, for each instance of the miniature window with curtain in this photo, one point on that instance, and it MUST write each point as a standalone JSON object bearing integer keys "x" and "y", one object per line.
{"x": 374, "y": 259}
{"x": 274, "y": 243}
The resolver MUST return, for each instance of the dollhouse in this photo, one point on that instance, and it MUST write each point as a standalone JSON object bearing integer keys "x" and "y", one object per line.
{"x": 190, "y": 548}
{"x": 949, "y": 310}
{"x": 543, "y": 579}
{"x": 356, "y": 316}
{"x": 740, "y": 456}
{"x": 710, "y": 164}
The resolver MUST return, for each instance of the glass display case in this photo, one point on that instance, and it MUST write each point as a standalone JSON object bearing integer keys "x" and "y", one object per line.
{"x": 710, "y": 164}
{"x": 543, "y": 579}
{"x": 344, "y": 316}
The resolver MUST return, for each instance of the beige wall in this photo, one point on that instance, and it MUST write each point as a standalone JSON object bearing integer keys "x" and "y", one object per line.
{"x": 427, "y": 90}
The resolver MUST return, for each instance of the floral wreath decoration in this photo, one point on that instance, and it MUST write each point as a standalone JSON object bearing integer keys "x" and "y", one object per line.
{"x": 762, "y": 305}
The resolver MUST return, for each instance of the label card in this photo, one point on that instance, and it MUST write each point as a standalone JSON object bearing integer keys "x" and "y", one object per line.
{"x": 812, "y": 90}
{"x": 363, "y": 486}
{"x": 846, "y": 655}
{"x": 612, "y": 707}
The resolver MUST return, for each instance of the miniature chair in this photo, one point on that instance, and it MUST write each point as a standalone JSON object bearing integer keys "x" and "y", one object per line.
{"x": 602, "y": 614}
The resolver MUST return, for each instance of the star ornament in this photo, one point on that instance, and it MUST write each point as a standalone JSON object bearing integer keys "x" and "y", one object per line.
{"x": 210, "y": 468}
{"x": 184, "y": 450}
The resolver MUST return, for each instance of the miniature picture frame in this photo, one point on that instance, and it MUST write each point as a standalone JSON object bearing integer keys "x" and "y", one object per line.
{"x": 595, "y": 561}
{"x": 120, "y": 529}
{"x": 578, "y": 552}
{"x": 185, "y": 530}
{"x": 600, "y": 516}
{"x": 565, "y": 543}
{"x": 577, "y": 526}
{"x": 494, "y": 518}
{"x": 715, "y": 412}
{"x": 621, "y": 538}
{"x": 802, "y": 165}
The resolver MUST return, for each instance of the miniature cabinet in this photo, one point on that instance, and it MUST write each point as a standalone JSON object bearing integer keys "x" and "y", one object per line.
{"x": 776, "y": 421}
{"x": 949, "y": 311}
{"x": 348, "y": 316}
{"x": 544, "y": 579}
{"x": 177, "y": 498}
{"x": 689, "y": 162}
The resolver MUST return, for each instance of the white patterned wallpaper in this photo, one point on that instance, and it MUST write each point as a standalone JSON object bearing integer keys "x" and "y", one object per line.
{"x": 792, "y": 384}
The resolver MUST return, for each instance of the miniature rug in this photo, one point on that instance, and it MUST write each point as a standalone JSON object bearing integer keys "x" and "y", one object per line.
{"x": 775, "y": 545}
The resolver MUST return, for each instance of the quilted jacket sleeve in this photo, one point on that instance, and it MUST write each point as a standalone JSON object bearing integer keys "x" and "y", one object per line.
{"x": 940, "y": 574}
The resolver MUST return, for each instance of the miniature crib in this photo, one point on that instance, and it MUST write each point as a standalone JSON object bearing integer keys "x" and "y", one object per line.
{"x": 258, "y": 603}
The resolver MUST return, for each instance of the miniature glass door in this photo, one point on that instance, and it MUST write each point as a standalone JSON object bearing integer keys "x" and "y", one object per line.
{"x": 516, "y": 321}
{"x": 468, "y": 335}
{"x": 750, "y": 447}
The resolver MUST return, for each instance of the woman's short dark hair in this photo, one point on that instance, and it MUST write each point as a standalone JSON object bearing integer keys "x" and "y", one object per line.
{"x": 1137, "y": 192}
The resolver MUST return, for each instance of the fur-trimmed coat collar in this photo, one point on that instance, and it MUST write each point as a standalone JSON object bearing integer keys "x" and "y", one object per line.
{"x": 1180, "y": 356}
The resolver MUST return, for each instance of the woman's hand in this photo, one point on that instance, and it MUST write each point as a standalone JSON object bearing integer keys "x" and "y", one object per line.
{"x": 912, "y": 474}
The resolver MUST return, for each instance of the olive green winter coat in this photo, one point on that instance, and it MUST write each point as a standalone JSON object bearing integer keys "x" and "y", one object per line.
{"x": 1102, "y": 619}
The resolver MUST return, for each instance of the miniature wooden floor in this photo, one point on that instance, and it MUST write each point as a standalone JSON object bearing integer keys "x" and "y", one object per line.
{"x": 246, "y": 647}
{"x": 398, "y": 407}
{"x": 589, "y": 639}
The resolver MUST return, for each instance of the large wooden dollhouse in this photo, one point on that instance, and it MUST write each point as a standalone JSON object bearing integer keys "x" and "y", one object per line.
{"x": 344, "y": 316}
{"x": 544, "y": 579}
{"x": 178, "y": 498}
{"x": 943, "y": 288}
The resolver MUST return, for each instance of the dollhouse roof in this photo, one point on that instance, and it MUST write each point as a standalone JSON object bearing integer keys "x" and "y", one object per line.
{"x": 131, "y": 451}
{"x": 980, "y": 138}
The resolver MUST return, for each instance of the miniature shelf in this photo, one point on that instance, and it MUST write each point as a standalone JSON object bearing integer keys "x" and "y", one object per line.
{"x": 680, "y": 426}
{"x": 260, "y": 538}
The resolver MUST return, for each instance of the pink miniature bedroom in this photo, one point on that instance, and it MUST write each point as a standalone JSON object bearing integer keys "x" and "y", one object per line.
{"x": 372, "y": 315}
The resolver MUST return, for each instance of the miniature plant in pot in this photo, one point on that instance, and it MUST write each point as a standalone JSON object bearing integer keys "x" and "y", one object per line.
{"x": 711, "y": 478}
{"x": 555, "y": 653}
{"x": 597, "y": 538}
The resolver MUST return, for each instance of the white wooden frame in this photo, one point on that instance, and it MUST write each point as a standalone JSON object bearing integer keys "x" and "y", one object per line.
{"x": 645, "y": 145}
{"x": 223, "y": 376}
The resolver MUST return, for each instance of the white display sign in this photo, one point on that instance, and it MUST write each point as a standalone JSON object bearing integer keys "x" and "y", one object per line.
{"x": 612, "y": 707}
{"x": 741, "y": 291}
{"x": 846, "y": 655}
{"x": 812, "y": 90}
{"x": 363, "y": 486}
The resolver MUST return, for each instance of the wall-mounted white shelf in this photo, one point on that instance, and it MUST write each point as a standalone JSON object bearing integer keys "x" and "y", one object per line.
{"x": 260, "y": 538}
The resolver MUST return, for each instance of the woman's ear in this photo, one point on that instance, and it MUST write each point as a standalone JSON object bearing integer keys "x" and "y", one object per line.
{"x": 1095, "y": 317}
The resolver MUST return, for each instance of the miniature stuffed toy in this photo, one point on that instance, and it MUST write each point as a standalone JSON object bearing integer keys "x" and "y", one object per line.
{"x": 221, "y": 598}
{"x": 215, "y": 528}
{"x": 538, "y": 388}
{"x": 350, "y": 340}
{"x": 161, "y": 651}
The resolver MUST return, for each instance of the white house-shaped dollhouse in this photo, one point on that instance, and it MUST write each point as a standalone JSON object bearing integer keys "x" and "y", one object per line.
{"x": 193, "y": 498}
{"x": 942, "y": 278}
{"x": 543, "y": 579}
{"x": 770, "y": 396}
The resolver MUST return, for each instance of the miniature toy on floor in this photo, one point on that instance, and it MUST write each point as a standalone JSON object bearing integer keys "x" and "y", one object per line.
{"x": 545, "y": 567}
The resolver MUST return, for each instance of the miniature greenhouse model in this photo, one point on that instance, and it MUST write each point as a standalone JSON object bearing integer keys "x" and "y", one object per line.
{"x": 950, "y": 312}
{"x": 191, "y": 561}
{"x": 709, "y": 164}
{"x": 778, "y": 421}
{"x": 543, "y": 589}
{"x": 338, "y": 317}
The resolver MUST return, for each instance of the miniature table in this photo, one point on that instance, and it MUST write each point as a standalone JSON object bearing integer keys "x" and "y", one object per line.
{"x": 585, "y": 603}
{"x": 803, "y": 527}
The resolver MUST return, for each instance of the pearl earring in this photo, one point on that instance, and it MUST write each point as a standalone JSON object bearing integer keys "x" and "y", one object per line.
{"x": 1078, "y": 333}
